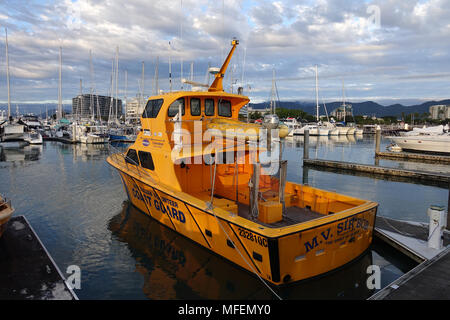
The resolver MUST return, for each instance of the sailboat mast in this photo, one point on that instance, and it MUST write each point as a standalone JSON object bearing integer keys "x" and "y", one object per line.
{"x": 7, "y": 74}
{"x": 79, "y": 114}
{"x": 91, "y": 97}
{"x": 59, "y": 115}
{"x": 157, "y": 76}
{"x": 117, "y": 80}
{"x": 112, "y": 94}
{"x": 142, "y": 85}
{"x": 273, "y": 99}
{"x": 126, "y": 89}
{"x": 343, "y": 99}
{"x": 192, "y": 73}
{"x": 317, "y": 96}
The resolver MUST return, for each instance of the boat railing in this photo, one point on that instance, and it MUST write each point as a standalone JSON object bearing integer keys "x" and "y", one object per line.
{"x": 118, "y": 156}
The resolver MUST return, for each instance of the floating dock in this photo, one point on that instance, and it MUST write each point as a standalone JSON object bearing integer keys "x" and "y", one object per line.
{"x": 27, "y": 271}
{"x": 409, "y": 238}
{"x": 386, "y": 171}
{"x": 429, "y": 158}
{"x": 430, "y": 280}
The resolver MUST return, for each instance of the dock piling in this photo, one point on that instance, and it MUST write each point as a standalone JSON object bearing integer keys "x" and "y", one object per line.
{"x": 306, "y": 145}
{"x": 377, "y": 140}
{"x": 438, "y": 219}
{"x": 448, "y": 208}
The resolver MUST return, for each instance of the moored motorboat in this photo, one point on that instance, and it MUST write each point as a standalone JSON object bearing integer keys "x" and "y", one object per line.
{"x": 33, "y": 137}
{"x": 351, "y": 130}
{"x": 220, "y": 194}
{"x": 91, "y": 134}
{"x": 424, "y": 143}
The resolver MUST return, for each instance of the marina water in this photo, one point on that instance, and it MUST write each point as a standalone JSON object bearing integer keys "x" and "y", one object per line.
{"x": 77, "y": 205}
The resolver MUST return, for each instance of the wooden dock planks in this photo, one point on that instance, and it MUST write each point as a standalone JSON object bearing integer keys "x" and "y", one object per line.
{"x": 350, "y": 166}
{"x": 414, "y": 156}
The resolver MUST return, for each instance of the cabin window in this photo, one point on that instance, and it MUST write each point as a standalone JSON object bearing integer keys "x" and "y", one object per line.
{"x": 173, "y": 108}
{"x": 195, "y": 107}
{"x": 146, "y": 160}
{"x": 224, "y": 108}
{"x": 132, "y": 157}
{"x": 152, "y": 108}
{"x": 209, "y": 107}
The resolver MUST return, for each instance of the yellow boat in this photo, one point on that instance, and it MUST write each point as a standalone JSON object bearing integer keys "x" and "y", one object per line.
{"x": 280, "y": 230}
{"x": 6, "y": 211}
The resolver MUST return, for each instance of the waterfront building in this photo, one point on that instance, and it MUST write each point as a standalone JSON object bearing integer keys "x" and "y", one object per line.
{"x": 86, "y": 105}
{"x": 440, "y": 112}
{"x": 134, "y": 109}
{"x": 340, "y": 114}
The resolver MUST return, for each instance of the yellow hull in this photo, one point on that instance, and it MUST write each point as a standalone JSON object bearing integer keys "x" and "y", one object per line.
{"x": 278, "y": 255}
{"x": 6, "y": 212}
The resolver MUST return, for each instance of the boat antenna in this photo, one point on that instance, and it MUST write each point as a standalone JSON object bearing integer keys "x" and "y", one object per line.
{"x": 181, "y": 46}
{"x": 217, "y": 84}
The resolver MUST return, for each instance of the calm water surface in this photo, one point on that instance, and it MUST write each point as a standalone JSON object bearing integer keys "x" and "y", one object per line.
{"x": 77, "y": 205}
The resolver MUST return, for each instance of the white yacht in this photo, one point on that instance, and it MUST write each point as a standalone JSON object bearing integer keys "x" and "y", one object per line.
{"x": 33, "y": 127}
{"x": 312, "y": 128}
{"x": 292, "y": 125}
{"x": 434, "y": 139}
{"x": 33, "y": 137}
{"x": 91, "y": 133}
{"x": 359, "y": 132}
{"x": 342, "y": 129}
{"x": 11, "y": 132}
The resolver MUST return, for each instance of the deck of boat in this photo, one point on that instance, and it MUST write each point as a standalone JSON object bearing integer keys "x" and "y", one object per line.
{"x": 292, "y": 215}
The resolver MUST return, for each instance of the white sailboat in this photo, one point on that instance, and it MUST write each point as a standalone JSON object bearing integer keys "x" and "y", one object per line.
{"x": 321, "y": 130}
{"x": 317, "y": 128}
{"x": 11, "y": 133}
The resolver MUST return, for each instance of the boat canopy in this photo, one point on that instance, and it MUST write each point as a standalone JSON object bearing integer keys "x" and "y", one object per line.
{"x": 201, "y": 150}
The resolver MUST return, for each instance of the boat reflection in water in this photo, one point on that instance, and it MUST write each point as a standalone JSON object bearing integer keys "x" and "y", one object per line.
{"x": 173, "y": 267}
{"x": 90, "y": 151}
{"x": 22, "y": 154}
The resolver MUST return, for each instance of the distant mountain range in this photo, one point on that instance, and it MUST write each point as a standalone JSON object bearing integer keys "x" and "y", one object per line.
{"x": 36, "y": 108}
{"x": 369, "y": 108}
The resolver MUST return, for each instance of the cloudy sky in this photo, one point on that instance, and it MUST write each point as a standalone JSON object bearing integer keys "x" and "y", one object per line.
{"x": 384, "y": 50}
